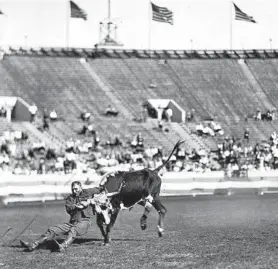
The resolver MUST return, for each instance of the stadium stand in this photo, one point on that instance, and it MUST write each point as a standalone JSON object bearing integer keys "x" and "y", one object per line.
{"x": 227, "y": 87}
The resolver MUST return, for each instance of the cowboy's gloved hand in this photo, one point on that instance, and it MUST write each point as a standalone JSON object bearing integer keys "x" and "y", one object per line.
{"x": 84, "y": 203}
{"x": 79, "y": 206}
{"x": 91, "y": 201}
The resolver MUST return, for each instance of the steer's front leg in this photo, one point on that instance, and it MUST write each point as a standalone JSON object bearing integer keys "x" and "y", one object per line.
{"x": 100, "y": 224}
{"x": 109, "y": 227}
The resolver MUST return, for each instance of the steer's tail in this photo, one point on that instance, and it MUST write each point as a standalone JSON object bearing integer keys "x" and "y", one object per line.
{"x": 172, "y": 152}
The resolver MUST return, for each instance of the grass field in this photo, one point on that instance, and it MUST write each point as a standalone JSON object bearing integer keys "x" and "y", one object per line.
{"x": 201, "y": 232}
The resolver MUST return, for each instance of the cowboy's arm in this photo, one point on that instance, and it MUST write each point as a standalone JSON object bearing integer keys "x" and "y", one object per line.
{"x": 90, "y": 194}
{"x": 93, "y": 191}
{"x": 70, "y": 205}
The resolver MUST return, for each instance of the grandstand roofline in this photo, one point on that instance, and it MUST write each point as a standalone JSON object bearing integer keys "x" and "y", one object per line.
{"x": 144, "y": 54}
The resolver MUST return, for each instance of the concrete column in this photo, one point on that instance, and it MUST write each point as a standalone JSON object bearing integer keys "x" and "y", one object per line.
{"x": 9, "y": 114}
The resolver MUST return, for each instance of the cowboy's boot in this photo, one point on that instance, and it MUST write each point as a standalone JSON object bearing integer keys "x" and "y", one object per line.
{"x": 31, "y": 246}
{"x": 63, "y": 246}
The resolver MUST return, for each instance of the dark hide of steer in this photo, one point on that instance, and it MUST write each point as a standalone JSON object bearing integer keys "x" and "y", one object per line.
{"x": 137, "y": 187}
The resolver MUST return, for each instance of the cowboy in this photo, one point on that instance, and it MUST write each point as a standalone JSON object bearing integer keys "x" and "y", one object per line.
{"x": 79, "y": 207}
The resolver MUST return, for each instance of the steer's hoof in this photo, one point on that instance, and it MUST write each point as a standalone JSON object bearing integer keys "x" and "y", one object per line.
{"x": 160, "y": 234}
{"x": 160, "y": 231}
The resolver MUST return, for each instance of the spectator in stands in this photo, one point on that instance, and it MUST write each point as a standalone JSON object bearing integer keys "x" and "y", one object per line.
{"x": 168, "y": 114}
{"x": 273, "y": 136}
{"x": 39, "y": 147}
{"x": 50, "y": 154}
{"x": 70, "y": 145}
{"x": 258, "y": 115}
{"x": 134, "y": 142}
{"x": 42, "y": 167}
{"x": 159, "y": 113}
{"x": 216, "y": 128}
{"x": 33, "y": 111}
{"x": 85, "y": 116}
{"x": 17, "y": 169}
{"x": 45, "y": 125}
{"x": 117, "y": 142}
{"x": 90, "y": 129}
{"x": 111, "y": 111}
{"x": 3, "y": 112}
{"x": 268, "y": 116}
{"x": 24, "y": 136}
{"x": 188, "y": 116}
{"x": 200, "y": 129}
{"x": 160, "y": 125}
{"x": 96, "y": 139}
{"x": 53, "y": 115}
{"x": 192, "y": 114}
{"x": 272, "y": 114}
{"x": 70, "y": 162}
{"x": 87, "y": 130}
{"x": 140, "y": 141}
{"x": 17, "y": 135}
{"x": 4, "y": 159}
{"x": 84, "y": 130}
{"x": 246, "y": 135}
{"x": 208, "y": 131}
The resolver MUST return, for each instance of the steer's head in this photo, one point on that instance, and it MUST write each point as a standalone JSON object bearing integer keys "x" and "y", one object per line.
{"x": 102, "y": 202}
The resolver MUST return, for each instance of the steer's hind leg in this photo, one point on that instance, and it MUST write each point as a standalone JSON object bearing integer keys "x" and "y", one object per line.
{"x": 160, "y": 208}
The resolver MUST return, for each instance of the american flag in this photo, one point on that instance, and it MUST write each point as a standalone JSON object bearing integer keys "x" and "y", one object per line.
{"x": 241, "y": 16}
{"x": 162, "y": 14}
{"x": 77, "y": 12}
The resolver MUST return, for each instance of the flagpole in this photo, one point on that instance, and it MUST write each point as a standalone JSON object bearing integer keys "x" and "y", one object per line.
{"x": 150, "y": 25}
{"x": 67, "y": 24}
{"x": 231, "y": 26}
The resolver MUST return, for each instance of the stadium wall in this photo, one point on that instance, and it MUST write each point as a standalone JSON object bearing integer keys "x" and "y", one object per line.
{"x": 56, "y": 187}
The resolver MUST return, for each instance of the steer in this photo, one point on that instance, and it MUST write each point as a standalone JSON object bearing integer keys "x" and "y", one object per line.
{"x": 126, "y": 189}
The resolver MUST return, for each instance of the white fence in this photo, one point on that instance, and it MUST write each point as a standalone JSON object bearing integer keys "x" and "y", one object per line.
{"x": 57, "y": 187}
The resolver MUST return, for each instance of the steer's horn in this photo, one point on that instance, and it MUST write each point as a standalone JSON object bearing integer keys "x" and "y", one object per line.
{"x": 102, "y": 180}
{"x": 110, "y": 194}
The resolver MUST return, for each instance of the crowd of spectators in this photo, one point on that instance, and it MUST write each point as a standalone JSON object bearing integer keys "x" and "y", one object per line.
{"x": 209, "y": 129}
{"x": 18, "y": 155}
{"x": 88, "y": 154}
{"x": 269, "y": 115}
{"x": 236, "y": 155}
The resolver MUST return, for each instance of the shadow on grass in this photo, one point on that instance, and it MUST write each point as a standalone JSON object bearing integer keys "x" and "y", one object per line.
{"x": 50, "y": 245}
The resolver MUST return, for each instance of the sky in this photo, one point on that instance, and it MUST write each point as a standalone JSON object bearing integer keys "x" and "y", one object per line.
{"x": 198, "y": 24}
